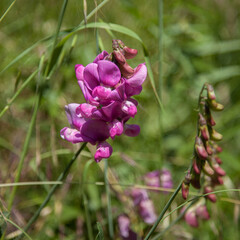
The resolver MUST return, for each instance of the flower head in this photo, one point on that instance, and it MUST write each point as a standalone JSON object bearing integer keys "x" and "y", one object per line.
{"x": 107, "y": 84}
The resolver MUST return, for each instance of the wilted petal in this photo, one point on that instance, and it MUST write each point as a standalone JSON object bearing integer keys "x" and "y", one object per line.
{"x": 91, "y": 77}
{"x": 85, "y": 110}
{"x": 129, "y": 108}
{"x": 147, "y": 211}
{"x": 109, "y": 73}
{"x": 115, "y": 128}
{"x": 104, "y": 150}
{"x": 131, "y": 130}
{"x": 100, "y": 56}
{"x": 140, "y": 74}
{"x": 101, "y": 92}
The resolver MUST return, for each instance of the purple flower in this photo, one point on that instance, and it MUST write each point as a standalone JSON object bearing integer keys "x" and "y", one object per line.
{"x": 109, "y": 103}
{"x": 144, "y": 205}
{"x": 124, "y": 228}
{"x": 157, "y": 178}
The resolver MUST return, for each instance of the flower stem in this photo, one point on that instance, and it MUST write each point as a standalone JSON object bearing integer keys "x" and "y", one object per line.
{"x": 61, "y": 177}
{"x": 163, "y": 211}
{"x": 109, "y": 207}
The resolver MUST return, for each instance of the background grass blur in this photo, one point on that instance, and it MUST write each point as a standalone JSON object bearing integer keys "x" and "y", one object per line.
{"x": 201, "y": 43}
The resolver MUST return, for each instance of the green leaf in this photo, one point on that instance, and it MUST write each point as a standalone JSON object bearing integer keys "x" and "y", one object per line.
{"x": 100, "y": 235}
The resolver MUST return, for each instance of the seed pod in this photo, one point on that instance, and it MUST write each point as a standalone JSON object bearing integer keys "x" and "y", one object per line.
{"x": 200, "y": 149}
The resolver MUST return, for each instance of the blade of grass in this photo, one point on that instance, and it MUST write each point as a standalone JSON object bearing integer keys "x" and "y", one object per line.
{"x": 29, "y": 79}
{"x": 8, "y": 9}
{"x": 26, "y": 51}
{"x": 109, "y": 205}
{"x": 61, "y": 177}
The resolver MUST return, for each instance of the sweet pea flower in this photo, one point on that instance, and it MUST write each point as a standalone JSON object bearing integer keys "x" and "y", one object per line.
{"x": 109, "y": 104}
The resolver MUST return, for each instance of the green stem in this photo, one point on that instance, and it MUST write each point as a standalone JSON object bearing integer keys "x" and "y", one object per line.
{"x": 88, "y": 219}
{"x": 109, "y": 207}
{"x": 160, "y": 74}
{"x": 163, "y": 211}
{"x": 61, "y": 177}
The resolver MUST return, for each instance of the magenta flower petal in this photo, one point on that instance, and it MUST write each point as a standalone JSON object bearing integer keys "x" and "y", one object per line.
{"x": 115, "y": 128}
{"x": 202, "y": 212}
{"x": 139, "y": 195}
{"x": 191, "y": 218}
{"x": 124, "y": 225}
{"x": 129, "y": 108}
{"x": 131, "y": 91}
{"x": 101, "y": 92}
{"x": 147, "y": 211}
{"x": 131, "y": 130}
{"x": 140, "y": 74}
{"x": 79, "y": 69}
{"x": 152, "y": 179}
{"x": 100, "y": 56}
{"x": 74, "y": 136}
{"x": 166, "y": 179}
{"x": 97, "y": 130}
{"x": 91, "y": 76}
{"x": 73, "y": 119}
{"x": 104, "y": 150}
{"x": 109, "y": 73}
{"x": 85, "y": 110}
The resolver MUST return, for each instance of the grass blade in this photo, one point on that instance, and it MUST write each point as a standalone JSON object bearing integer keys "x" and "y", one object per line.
{"x": 8, "y": 9}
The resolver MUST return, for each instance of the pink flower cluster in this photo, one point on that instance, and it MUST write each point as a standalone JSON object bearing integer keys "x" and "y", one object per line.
{"x": 108, "y": 84}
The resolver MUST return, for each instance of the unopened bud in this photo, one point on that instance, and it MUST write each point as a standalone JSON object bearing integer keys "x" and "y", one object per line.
{"x": 119, "y": 57}
{"x": 210, "y": 92}
{"x": 218, "y": 160}
{"x": 203, "y": 127}
{"x": 215, "y": 106}
{"x": 129, "y": 52}
{"x": 215, "y": 135}
{"x": 208, "y": 169}
{"x": 219, "y": 170}
{"x": 208, "y": 148}
{"x": 196, "y": 166}
{"x": 212, "y": 197}
{"x": 195, "y": 181}
{"x": 185, "y": 185}
{"x": 200, "y": 149}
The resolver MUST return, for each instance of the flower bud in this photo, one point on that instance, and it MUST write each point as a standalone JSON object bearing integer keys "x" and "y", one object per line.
{"x": 124, "y": 225}
{"x": 200, "y": 149}
{"x": 219, "y": 170}
{"x": 119, "y": 57}
{"x": 129, "y": 108}
{"x": 218, "y": 160}
{"x": 185, "y": 185}
{"x": 196, "y": 166}
{"x": 215, "y": 106}
{"x": 129, "y": 52}
{"x": 203, "y": 127}
{"x": 115, "y": 128}
{"x": 191, "y": 218}
{"x": 195, "y": 181}
{"x": 104, "y": 150}
{"x": 202, "y": 212}
{"x": 208, "y": 169}
{"x": 126, "y": 70}
{"x": 215, "y": 135}
{"x": 208, "y": 148}
{"x": 212, "y": 197}
{"x": 210, "y": 92}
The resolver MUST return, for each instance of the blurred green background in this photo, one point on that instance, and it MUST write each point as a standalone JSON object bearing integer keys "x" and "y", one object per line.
{"x": 201, "y": 43}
